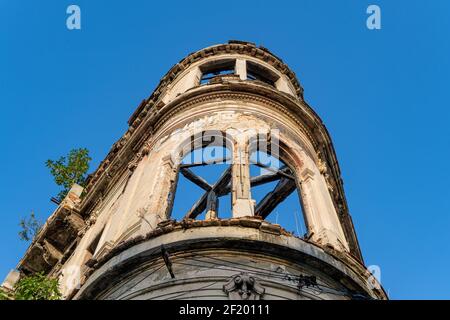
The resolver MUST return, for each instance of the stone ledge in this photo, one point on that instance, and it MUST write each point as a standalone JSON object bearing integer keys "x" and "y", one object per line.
{"x": 53, "y": 242}
{"x": 172, "y": 225}
{"x": 212, "y": 238}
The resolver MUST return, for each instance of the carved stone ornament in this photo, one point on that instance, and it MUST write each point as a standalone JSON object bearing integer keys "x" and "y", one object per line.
{"x": 135, "y": 161}
{"x": 243, "y": 287}
{"x": 145, "y": 149}
{"x": 322, "y": 166}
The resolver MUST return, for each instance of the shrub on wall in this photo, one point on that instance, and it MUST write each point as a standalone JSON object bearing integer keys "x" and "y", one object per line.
{"x": 37, "y": 287}
{"x": 4, "y": 295}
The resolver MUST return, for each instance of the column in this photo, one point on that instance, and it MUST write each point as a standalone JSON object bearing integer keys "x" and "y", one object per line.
{"x": 163, "y": 194}
{"x": 241, "y": 69}
{"x": 321, "y": 218}
{"x": 242, "y": 202}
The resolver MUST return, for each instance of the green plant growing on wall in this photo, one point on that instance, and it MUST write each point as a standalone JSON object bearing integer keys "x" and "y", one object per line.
{"x": 4, "y": 295}
{"x": 30, "y": 227}
{"x": 70, "y": 169}
{"x": 37, "y": 287}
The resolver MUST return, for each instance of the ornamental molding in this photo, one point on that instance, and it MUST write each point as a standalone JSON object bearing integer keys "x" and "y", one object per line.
{"x": 243, "y": 286}
{"x": 245, "y": 97}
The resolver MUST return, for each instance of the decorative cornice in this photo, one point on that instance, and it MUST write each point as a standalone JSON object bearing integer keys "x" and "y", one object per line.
{"x": 233, "y": 47}
{"x": 237, "y": 96}
{"x": 353, "y": 268}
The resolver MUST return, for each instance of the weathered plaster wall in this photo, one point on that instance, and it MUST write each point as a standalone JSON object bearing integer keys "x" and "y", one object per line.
{"x": 205, "y": 258}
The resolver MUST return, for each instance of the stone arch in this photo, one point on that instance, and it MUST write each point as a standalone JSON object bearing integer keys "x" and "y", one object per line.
{"x": 320, "y": 216}
{"x": 212, "y": 191}
{"x": 273, "y": 144}
{"x": 201, "y": 139}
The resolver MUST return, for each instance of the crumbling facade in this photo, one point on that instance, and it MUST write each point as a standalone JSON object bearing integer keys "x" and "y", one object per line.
{"x": 117, "y": 238}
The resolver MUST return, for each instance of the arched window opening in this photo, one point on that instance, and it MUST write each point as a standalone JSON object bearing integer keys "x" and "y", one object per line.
{"x": 274, "y": 190}
{"x": 204, "y": 185}
{"x": 260, "y": 73}
{"x": 216, "y": 68}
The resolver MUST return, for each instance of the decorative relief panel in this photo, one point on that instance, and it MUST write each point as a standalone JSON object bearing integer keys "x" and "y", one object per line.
{"x": 243, "y": 287}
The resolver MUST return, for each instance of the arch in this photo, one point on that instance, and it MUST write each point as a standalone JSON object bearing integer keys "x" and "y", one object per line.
{"x": 201, "y": 139}
{"x": 278, "y": 166}
{"x": 320, "y": 216}
{"x": 209, "y": 187}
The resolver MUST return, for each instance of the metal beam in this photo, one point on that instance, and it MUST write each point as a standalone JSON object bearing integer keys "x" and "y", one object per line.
{"x": 200, "y": 205}
{"x": 223, "y": 186}
{"x": 167, "y": 261}
{"x": 281, "y": 172}
{"x": 282, "y": 190}
{"x": 206, "y": 163}
{"x": 202, "y": 183}
{"x": 259, "y": 180}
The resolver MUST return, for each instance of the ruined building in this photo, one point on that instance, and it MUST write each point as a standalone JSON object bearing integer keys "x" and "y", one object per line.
{"x": 121, "y": 237}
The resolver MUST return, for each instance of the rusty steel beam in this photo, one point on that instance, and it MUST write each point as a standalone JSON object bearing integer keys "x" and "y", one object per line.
{"x": 282, "y": 190}
{"x": 206, "y": 163}
{"x": 199, "y": 181}
{"x": 200, "y": 205}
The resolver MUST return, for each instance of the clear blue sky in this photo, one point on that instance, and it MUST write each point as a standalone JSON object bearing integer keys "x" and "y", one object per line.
{"x": 382, "y": 94}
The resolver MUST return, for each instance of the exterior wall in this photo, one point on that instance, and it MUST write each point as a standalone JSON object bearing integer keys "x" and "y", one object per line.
{"x": 205, "y": 259}
{"x": 202, "y": 279}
